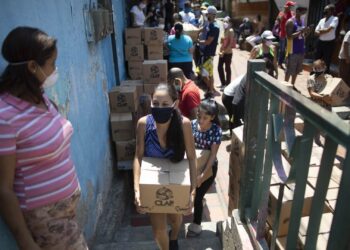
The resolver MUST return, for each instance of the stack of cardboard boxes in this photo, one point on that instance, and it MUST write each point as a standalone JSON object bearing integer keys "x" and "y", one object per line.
{"x": 144, "y": 54}
{"x": 123, "y": 105}
{"x": 236, "y": 163}
{"x": 134, "y": 52}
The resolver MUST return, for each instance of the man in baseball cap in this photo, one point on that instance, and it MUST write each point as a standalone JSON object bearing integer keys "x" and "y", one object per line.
{"x": 209, "y": 49}
{"x": 284, "y": 16}
{"x": 290, "y": 4}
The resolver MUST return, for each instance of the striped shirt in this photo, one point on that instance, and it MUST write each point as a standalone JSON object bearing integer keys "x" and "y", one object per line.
{"x": 40, "y": 139}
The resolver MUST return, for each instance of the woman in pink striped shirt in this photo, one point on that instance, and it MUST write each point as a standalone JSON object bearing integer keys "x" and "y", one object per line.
{"x": 39, "y": 188}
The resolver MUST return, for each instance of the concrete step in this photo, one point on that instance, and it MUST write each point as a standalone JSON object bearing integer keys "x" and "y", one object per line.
{"x": 188, "y": 244}
{"x": 141, "y": 238}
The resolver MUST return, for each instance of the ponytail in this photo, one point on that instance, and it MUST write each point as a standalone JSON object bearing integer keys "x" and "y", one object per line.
{"x": 178, "y": 30}
{"x": 177, "y": 34}
{"x": 175, "y": 137}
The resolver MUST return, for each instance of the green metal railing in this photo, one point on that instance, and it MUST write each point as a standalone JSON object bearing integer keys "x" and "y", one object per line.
{"x": 263, "y": 126}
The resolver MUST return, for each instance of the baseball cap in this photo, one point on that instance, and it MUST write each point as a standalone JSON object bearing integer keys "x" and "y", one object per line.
{"x": 267, "y": 35}
{"x": 212, "y": 10}
{"x": 226, "y": 19}
{"x": 289, "y": 4}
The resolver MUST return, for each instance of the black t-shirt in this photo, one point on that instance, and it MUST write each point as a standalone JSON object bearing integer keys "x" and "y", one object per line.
{"x": 213, "y": 30}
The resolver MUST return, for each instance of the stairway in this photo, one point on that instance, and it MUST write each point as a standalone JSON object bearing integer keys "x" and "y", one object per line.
{"x": 141, "y": 238}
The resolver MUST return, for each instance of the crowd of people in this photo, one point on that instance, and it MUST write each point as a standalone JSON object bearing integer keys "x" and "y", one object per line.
{"x": 35, "y": 138}
{"x": 281, "y": 47}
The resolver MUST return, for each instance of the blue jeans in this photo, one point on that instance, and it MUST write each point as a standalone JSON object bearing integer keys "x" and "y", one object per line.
{"x": 281, "y": 50}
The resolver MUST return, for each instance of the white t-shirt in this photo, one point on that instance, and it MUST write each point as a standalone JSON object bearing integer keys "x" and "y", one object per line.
{"x": 187, "y": 17}
{"x": 331, "y": 22}
{"x": 342, "y": 49}
{"x": 229, "y": 90}
{"x": 139, "y": 15}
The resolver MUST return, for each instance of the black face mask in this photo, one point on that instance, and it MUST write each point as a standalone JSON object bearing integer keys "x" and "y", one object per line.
{"x": 162, "y": 115}
{"x": 318, "y": 73}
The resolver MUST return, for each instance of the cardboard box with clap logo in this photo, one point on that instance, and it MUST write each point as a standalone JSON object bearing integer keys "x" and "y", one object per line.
{"x": 338, "y": 90}
{"x": 125, "y": 150}
{"x": 135, "y": 70}
{"x": 123, "y": 99}
{"x": 164, "y": 186}
{"x": 155, "y": 71}
{"x": 134, "y": 52}
{"x": 133, "y": 36}
{"x": 154, "y": 36}
{"x": 123, "y": 127}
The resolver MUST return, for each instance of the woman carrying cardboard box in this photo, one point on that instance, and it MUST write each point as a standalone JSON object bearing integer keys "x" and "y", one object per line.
{"x": 164, "y": 134}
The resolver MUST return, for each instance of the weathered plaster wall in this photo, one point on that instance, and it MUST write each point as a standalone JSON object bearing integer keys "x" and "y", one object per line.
{"x": 87, "y": 72}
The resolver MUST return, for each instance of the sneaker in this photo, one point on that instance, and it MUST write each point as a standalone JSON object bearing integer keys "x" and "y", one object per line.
{"x": 281, "y": 66}
{"x": 194, "y": 230}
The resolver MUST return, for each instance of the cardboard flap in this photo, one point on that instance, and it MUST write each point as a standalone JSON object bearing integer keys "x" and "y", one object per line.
{"x": 154, "y": 176}
{"x": 180, "y": 178}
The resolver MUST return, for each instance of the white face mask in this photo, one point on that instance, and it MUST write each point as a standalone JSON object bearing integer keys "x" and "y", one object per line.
{"x": 225, "y": 26}
{"x": 51, "y": 79}
{"x": 268, "y": 42}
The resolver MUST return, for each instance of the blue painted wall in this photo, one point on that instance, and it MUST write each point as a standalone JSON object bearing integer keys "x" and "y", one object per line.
{"x": 87, "y": 72}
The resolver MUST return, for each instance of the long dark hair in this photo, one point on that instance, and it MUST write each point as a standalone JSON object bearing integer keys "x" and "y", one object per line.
{"x": 174, "y": 136}
{"x": 23, "y": 44}
{"x": 178, "y": 30}
{"x": 210, "y": 107}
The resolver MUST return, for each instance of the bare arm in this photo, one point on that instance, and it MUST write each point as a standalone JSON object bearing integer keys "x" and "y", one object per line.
{"x": 190, "y": 152}
{"x": 254, "y": 52}
{"x": 325, "y": 30}
{"x": 209, "y": 40}
{"x": 289, "y": 30}
{"x": 140, "y": 145}
{"x": 11, "y": 212}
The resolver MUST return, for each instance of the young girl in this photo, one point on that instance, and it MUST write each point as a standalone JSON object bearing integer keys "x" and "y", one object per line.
{"x": 164, "y": 134}
{"x": 207, "y": 135}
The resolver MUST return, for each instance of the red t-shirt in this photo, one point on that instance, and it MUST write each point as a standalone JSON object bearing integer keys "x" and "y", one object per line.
{"x": 189, "y": 98}
{"x": 284, "y": 18}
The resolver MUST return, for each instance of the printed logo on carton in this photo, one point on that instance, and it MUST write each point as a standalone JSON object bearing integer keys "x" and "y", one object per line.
{"x": 129, "y": 150}
{"x": 121, "y": 100}
{"x": 155, "y": 71}
{"x": 164, "y": 197}
{"x": 134, "y": 51}
{"x": 340, "y": 92}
